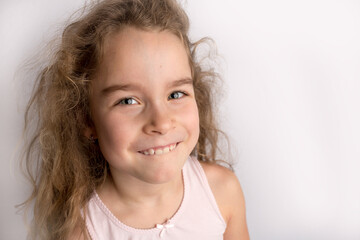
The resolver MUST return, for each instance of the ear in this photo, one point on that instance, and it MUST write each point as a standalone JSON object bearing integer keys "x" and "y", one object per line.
{"x": 90, "y": 132}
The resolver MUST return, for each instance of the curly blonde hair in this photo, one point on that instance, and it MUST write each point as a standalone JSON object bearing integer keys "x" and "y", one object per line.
{"x": 63, "y": 166}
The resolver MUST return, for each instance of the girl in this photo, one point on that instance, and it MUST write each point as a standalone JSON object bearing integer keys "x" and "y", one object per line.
{"x": 126, "y": 135}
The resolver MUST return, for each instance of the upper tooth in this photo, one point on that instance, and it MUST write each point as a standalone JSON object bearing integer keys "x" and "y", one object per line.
{"x": 166, "y": 150}
{"x": 158, "y": 151}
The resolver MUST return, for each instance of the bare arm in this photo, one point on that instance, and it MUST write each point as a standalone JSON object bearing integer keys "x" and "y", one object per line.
{"x": 236, "y": 224}
{"x": 230, "y": 199}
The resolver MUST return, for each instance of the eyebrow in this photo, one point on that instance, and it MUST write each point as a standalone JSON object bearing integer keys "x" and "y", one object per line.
{"x": 123, "y": 87}
{"x": 180, "y": 82}
{"x": 116, "y": 87}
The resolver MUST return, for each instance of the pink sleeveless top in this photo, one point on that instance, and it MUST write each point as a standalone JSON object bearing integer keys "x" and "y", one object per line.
{"x": 198, "y": 216}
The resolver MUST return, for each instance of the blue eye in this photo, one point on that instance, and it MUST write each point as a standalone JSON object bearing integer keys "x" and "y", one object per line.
{"x": 176, "y": 95}
{"x": 128, "y": 101}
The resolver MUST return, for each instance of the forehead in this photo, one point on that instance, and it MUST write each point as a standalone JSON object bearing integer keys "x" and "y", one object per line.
{"x": 133, "y": 54}
{"x": 132, "y": 34}
{"x": 130, "y": 41}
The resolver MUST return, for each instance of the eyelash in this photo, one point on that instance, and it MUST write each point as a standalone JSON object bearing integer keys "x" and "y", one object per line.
{"x": 124, "y": 100}
{"x": 177, "y": 92}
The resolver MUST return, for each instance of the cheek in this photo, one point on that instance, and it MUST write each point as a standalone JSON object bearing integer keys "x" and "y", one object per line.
{"x": 114, "y": 131}
{"x": 192, "y": 120}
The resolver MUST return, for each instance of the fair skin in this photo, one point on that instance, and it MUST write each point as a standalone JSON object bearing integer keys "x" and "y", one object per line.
{"x": 146, "y": 120}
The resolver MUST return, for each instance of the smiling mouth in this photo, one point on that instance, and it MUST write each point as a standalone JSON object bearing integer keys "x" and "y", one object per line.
{"x": 159, "y": 150}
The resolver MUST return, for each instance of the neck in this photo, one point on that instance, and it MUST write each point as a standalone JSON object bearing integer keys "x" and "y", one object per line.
{"x": 132, "y": 192}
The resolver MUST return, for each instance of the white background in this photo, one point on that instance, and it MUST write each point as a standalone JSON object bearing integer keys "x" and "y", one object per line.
{"x": 291, "y": 108}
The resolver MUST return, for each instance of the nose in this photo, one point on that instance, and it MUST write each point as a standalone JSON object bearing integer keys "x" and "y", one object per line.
{"x": 159, "y": 120}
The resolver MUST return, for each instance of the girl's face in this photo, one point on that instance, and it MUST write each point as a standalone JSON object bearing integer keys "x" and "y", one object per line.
{"x": 143, "y": 105}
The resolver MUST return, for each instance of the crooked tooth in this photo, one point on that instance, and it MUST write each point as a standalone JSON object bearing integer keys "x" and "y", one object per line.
{"x": 146, "y": 152}
{"x": 166, "y": 150}
{"x": 158, "y": 151}
{"x": 151, "y": 151}
{"x": 172, "y": 147}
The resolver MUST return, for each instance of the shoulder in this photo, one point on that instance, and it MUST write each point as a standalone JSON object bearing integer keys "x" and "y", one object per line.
{"x": 230, "y": 199}
{"x": 225, "y": 186}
